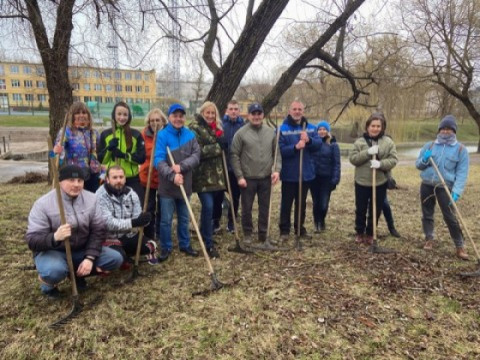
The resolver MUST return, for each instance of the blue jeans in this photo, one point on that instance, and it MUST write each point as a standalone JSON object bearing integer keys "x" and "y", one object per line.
{"x": 52, "y": 265}
{"x": 321, "y": 189}
{"x": 206, "y": 217}
{"x": 167, "y": 207}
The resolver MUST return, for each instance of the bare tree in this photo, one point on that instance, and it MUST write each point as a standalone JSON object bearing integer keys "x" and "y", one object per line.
{"x": 447, "y": 33}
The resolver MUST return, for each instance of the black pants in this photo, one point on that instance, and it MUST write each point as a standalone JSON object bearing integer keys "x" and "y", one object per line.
{"x": 261, "y": 188}
{"x": 129, "y": 246}
{"x": 236, "y": 197}
{"x": 134, "y": 183}
{"x": 217, "y": 208}
{"x": 363, "y": 203}
{"x": 321, "y": 188}
{"x": 290, "y": 194}
{"x": 153, "y": 228}
{"x": 387, "y": 213}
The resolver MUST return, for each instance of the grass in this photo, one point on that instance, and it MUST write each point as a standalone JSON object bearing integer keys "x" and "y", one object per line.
{"x": 334, "y": 300}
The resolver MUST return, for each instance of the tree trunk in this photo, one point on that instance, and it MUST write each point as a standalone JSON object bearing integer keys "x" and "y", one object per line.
{"x": 228, "y": 77}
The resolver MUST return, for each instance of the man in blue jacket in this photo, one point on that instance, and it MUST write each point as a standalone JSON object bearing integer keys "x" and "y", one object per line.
{"x": 186, "y": 153}
{"x": 293, "y": 140}
{"x": 451, "y": 158}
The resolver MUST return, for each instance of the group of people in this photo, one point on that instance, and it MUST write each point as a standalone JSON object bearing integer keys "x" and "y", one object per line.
{"x": 103, "y": 219}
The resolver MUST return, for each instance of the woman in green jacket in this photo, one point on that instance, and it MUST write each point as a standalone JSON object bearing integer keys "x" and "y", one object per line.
{"x": 208, "y": 177}
{"x": 124, "y": 146}
{"x": 373, "y": 150}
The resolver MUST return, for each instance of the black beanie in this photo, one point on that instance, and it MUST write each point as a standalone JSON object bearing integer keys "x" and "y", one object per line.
{"x": 71, "y": 172}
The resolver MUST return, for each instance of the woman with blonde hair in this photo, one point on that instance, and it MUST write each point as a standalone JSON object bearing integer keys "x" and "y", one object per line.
{"x": 79, "y": 145}
{"x": 155, "y": 118}
{"x": 209, "y": 177}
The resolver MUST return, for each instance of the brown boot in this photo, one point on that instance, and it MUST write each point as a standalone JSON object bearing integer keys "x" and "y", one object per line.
{"x": 461, "y": 254}
{"x": 428, "y": 245}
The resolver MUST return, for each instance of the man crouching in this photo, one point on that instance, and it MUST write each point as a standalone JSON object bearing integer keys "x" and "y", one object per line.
{"x": 85, "y": 227}
{"x": 122, "y": 213}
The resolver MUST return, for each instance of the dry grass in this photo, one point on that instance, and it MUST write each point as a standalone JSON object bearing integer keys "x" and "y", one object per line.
{"x": 334, "y": 300}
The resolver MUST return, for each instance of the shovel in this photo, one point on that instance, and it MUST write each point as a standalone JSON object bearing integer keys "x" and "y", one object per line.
{"x": 134, "y": 274}
{"x": 454, "y": 205}
{"x": 298, "y": 244}
{"x": 216, "y": 284}
{"x": 76, "y": 304}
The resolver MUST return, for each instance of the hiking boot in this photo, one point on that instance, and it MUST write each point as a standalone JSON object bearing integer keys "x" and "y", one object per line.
{"x": 53, "y": 294}
{"x": 394, "y": 232}
{"x": 189, "y": 251}
{"x": 284, "y": 238}
{"x": 152, "y": 257}
{"x": 247, "y": 239}
{"x": 213, "y": 253}
{"x": 164, "y": 254}
{"x": 230, "y": 229}
{"x": 368, "y": 239}
{"x": 126, "y": 265}
{"x": 306, "y": 236}
{"x": 317, "y": 228}
{"x": 359, "y": 239}
{"x": 428, "y": 245}
{"x": 461, "y": 254}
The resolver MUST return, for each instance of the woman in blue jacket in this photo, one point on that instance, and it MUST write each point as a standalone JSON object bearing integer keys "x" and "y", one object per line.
{"x": 327, "y": 174}
{"x": 451, "y": 158}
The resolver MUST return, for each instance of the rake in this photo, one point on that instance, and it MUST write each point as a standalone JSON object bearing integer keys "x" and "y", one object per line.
{"x": 454, "y": 205}
{"x": 216, "y": 284}
{"x": 134, "y": 273}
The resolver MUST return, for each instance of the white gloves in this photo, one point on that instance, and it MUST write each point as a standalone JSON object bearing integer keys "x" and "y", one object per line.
{"x": 373, "y": 150}
{"x": 374, "y": 164}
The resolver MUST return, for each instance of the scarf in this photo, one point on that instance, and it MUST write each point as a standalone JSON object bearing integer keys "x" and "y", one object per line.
{"x": 115, "y": 192}
{"x": 446, "y": 139}
{"x": 213, "y": 126}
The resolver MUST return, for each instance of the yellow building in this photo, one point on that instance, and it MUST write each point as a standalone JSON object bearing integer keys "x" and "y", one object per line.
{"x": 23, "y": 85}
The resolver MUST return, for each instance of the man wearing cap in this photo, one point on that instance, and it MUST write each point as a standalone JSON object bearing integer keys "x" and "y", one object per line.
{"x": 296, "y": 135}
{"x": 252, "y": 156}
{"x": 452, "y": 160}
{"x": 186, "y": 153}
{"x": 85, "y": 227}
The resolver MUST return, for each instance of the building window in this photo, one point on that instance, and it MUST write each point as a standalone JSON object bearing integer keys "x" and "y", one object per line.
{"x": 42, "y": 97}
{"x": 27, "y": 70}
{"x": 97, "y": 87}
{"x": 40, "y": 71}
{"x": 76, "y": 98}
{"x": 118, "y": 88}
{"x": 96, "y": 74}
{"x": 118, "y": 75}
{"x": 117, "y": 99}
{"x": 108, "y": 87}
{"x": 138, "y": 76}
{"x": 98, "y": 99}
{"x": 129, "y": 100}
{"x": 14, "y": 69}
{"x": 147, "y": 101}
{"x": 86, "y": 86}
{"x": 86, "y": 73}
{"x": 41, "y": 84}
{"x": 76, "y": 86}
{"x": 75, "y": 73}
{"x": 128, "y": 88}
{"x": 87, "y": 99}
{"x": 15, "y": 83}
{"x": 109, "y": 100}
{"x": 29, "y": 97}
{"x": 138, "y": 89}
{"x": 107, "y": 74}
{"x": 128, "y": 76}
{"x": 17, "y": 97}
{"x": 146, "y": 77}
{"x": 2, "y": 70}
{"x": 3, "y": 84}
{"x": 147, "y": 89}
{"x": 28, "y": 83}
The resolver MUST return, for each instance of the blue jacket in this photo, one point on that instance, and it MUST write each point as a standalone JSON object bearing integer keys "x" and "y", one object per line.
{"x": 186, "y": 153}
{"x": 452, "y": 161}
{"x": 327, "y": 161}
{"x": 289, "y": 137}
{"x": 229, "y": 130}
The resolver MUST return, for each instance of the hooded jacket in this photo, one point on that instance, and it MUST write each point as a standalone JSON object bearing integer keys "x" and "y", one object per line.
{"x": 82, "y": 212}
{"x": 289, "y": 137}
{"x": 327, "y": 161}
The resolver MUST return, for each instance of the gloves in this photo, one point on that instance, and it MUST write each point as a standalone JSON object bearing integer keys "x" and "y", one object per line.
{"x": 373, "y": 150}
{"x": 426, "y": 155}
{"x": 374, "y": 164}
{"x": 113, "y": 144}
{"x": 118, "y": 154}
{"x": 142, "y": 220}
{"x": 222, "y": 141}
{"x": 455, "y": 196}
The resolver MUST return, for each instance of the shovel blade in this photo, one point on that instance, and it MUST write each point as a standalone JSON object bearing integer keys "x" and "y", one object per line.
{"x": 77, "y": 308}
{"x": 238, "y": 249}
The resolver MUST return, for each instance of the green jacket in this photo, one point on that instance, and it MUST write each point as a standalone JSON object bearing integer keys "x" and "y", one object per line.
{"x": 209, "y": 175}
{"x": 134, "y": 156}
{"x": 252, "y": 152}
{"x": 359, "y": 157}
